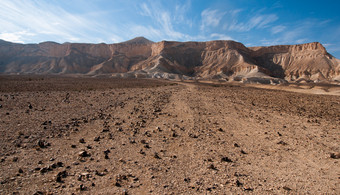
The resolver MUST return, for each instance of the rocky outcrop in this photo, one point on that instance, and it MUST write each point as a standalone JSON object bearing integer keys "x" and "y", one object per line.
{"x": 140, "y": 57}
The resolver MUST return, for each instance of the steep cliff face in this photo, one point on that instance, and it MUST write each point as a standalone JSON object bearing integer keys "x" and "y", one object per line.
{"x": 139, "y": 56}
{"x": 50, "y": 57}
{"x": 295, "y": 62}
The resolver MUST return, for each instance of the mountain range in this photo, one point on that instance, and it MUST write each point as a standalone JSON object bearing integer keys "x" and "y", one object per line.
{"x": 140, "y": 57}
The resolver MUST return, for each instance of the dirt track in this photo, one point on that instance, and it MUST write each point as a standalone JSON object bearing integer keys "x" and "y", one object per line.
{"x": 157, "y": 137}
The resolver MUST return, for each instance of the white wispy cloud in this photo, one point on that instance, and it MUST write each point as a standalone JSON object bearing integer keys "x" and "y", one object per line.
{"x": 43, "y": 19}
{"x": 145, "y": 11}
{"x": 259, "y": 21}
{"x": 16, "y": 37}
{"x": 164, "y": 21}
{"x": 211, "y": 18}
{"x": 278, "y": 29}
{"x": 218, "y": 36}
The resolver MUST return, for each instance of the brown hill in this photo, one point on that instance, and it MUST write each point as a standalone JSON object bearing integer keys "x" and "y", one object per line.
{"x": 227, "y": 60}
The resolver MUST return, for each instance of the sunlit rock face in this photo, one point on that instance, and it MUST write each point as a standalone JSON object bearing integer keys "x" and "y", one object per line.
{"x": 140, "y": 57}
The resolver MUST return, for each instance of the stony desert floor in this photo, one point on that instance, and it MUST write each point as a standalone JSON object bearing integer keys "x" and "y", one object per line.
{"x": 109, "y": 136}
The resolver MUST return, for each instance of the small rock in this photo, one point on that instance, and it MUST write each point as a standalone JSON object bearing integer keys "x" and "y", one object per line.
{"x": 286, "y": 188}
{"x": 82, "y": 187}
{"x": 96, "y": 139}
{"x": 43, "y": 170}
{"x": 73, "y": 146}
{"x": 212, "y": 167}
{"x": 236, "y": 145}
{"x": 82, "y": 140}
{"x": 248, "y": 189}
{"x": 60, "y": 164}
{"x": 20, "y": 171}
{"x": 60, "y": 175}
{"x": 282, "y": 143}
{"x": 156, "y": 156}
{"x": 30, "y": 106}
{"x": 335, "y": 155}
{"x": 15, "y": 159}
{"x": 84, "y": 154}
{"x": 43, "y": 144}
{"x": 226, "y": 159}
{"x": 243, "y": 152}
{"x": 238, "y": 183}
{"x": 117, "y": 184}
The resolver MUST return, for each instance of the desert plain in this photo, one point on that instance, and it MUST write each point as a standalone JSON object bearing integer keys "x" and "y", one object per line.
{"x": 65, "y": 135}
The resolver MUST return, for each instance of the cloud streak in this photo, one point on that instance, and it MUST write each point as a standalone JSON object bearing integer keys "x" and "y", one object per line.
{"x": 39, "y": 18}
{"x": 211, "y": 18}
{"x": 255, "y": 22}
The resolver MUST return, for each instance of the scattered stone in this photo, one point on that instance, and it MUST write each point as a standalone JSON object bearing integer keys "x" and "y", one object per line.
{"x": 106, "y": 153}
{"x": 38, "y": 193}
{"x": 60, "y": 164}
{"x": 143, "y": 141}
{"x": 335, "y": 155}
{"x": 84, "y": 154}
{"x": 236, "y": 145}
{"x": 248, "y": 189}
{"x": 132, "y": 140}
{"x": 156, "y": 156}
{"x": 103, "y": 173}
{"x": 221, "y": 130}
{"x": 243, "y": 152}
{"x": 44, "y": 170}
{"x": 82, "y": 140}
{"x": 82, "y": 187}
{"x": 286, "y": 188}
{"x": 96, "y": 139}
{"x": 15, "y": 159}
{"x": 279, "y": 133}
{"x": 43, "y": 144}
{"x": 238, "y": 183}
{"x": 117, "y": 184}
{"x": 226, "y": 159}
{"x": 30, "y": 106}
{"x": 52, "y": 159}
{"x": 60, "y": 175}
{"x": 47, "y": 123}
{"x": 212, "y": 167}
{"x": 282, "y": 143}
{"x": 20, "y": 171}
{"x": 0, "y": 106}
{"x": 73, "y": 146}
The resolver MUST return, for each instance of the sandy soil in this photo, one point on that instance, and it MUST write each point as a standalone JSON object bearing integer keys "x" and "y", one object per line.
{"x": 109, "y": 136}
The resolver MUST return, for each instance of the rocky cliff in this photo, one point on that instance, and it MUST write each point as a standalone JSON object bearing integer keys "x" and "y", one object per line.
{"x": 227, "y": 60}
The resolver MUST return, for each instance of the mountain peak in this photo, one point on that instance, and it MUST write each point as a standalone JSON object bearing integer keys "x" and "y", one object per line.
{"x": 138, "y": 40}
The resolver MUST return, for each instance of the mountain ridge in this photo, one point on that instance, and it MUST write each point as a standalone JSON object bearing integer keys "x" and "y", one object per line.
{"x": 140, "y": 57}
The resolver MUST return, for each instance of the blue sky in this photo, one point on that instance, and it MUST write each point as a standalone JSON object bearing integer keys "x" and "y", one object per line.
{"x": 252, "y": 22}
